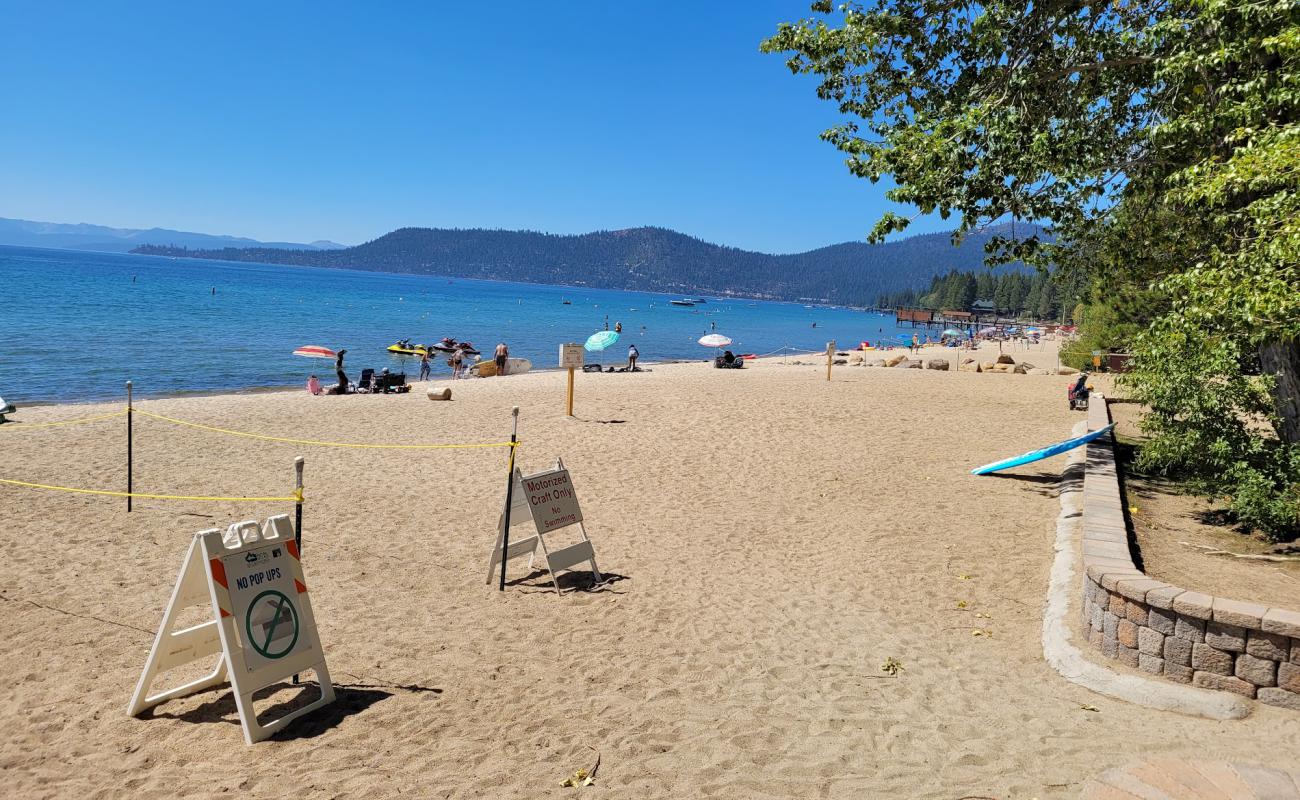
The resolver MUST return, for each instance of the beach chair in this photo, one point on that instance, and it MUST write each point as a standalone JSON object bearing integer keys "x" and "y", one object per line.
{"x": 367, "y": 380}
{"x": 6, "y": 408}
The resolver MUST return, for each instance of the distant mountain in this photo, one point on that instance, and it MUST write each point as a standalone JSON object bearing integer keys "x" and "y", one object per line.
{"x": 81, "y": 236}
{"x": 645, "y": 259}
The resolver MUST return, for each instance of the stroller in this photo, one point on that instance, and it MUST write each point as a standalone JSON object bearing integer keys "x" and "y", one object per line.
{"x": 1077, "y": 394}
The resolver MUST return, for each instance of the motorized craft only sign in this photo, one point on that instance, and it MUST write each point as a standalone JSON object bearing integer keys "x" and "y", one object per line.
{"x": 263, "y": 597}
{"x": 551, "y": 499}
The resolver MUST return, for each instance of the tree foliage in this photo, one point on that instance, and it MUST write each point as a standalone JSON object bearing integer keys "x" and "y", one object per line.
{"x": 1158, "y": 141}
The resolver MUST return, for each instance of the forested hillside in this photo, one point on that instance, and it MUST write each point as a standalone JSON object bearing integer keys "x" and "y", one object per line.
{"x": 647, "y": 259}
{"x": 1039, "y": 295}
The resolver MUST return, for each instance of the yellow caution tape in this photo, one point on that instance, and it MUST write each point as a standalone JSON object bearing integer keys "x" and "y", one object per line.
{"x": 297, "y": 496}
{"x": 326, "y": 444}
{"x": 26, "y": 426}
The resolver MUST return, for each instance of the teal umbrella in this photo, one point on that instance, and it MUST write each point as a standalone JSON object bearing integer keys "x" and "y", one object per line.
{"x": 600, "y": 340}
{"x": 953, "y": 332}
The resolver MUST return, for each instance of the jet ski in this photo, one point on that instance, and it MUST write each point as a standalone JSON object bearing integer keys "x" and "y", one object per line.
{"x": 450, "y": 345}
{"x": 404, "y": 347}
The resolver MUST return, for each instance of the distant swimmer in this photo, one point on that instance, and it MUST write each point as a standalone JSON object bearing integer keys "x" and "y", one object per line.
{"x": 814, "y": 324}
{"x": 618, "y": 327}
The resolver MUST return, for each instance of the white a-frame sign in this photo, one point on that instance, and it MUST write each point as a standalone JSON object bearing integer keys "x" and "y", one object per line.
{"x": 261, "y": 624}
{"x": 548, "y": 501}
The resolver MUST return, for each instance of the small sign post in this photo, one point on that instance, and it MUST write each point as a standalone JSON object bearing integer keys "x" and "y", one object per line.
{"x": 571, "y": 358}
{"x": 830, "y": 357}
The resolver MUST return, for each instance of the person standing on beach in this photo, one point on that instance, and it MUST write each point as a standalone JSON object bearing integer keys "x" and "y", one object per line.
{"x": 632, "y": 355}
{"x": 424, "y": 365}
{"x": 502, "y": 354}
{"x": 342, "y": 376}
{"x": 455, "y": 361}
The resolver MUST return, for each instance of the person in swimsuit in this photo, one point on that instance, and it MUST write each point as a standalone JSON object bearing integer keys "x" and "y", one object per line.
{"x": 502, "y": 354}
{"x": 632, "y": 355}
{"x": 424, "y": 365}
{"x": 342, "y": 376}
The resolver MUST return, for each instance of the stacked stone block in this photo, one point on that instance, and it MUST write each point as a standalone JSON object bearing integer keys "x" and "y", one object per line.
{"x": 1185, "y": 636}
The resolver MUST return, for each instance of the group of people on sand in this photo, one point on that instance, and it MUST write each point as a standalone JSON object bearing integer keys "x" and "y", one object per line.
{"x": 501, "y": 357}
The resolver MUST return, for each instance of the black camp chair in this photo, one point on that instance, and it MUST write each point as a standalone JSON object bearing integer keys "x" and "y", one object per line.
{"x": 366, "y": 383}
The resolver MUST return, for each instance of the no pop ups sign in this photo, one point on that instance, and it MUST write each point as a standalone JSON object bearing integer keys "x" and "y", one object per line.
{"x": 248, "y": 581}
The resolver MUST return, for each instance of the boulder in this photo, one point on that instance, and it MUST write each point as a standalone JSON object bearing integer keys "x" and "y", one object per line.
{"x": 986, "y": 366}
{"x": 1005, "y": 359}
{"x": 1020, "y": 369}
{"x": 839, "y": 362}
{"x": 856, "y": 358}
{"x": 441, "y": 394}
{"x": 913, "y": 365}
{"x": 894, "y": 361}
{"x": 937, "y": 363}
{"x": 904, "y": 363}
{"x": 1067, "y": 371}
{"x": 1026, "y": 365}
{"x": 876, "y": 362}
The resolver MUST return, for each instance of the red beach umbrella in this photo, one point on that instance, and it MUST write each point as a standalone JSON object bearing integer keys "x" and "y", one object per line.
{"x": 315, "y": 351}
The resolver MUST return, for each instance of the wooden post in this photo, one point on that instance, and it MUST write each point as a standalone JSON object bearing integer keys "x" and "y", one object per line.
{"x": 570, "y": 407}
{"x": 510, "y": 496}
{"x": 129, "y": 454}
{"x": 830, "y": 357}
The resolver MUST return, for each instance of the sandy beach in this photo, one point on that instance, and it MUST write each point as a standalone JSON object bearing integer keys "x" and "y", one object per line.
{"x": 771, "y": 540}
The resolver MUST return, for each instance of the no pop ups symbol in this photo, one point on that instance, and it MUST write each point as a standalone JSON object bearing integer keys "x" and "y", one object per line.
{"x": 271, "y": 624}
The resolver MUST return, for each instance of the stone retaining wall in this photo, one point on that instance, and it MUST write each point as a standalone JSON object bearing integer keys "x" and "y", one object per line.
{"x": 1184, "y": 635}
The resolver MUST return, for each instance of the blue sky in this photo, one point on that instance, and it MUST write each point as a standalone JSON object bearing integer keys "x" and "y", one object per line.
{"x": 303, "y": 121}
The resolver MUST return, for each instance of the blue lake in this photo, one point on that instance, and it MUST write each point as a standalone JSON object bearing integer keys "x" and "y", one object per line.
{"x": 76, "y": 326}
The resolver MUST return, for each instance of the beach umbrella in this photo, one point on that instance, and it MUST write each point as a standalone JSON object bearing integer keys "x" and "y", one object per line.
{"x": 953, "y": 332}
{"x": 314, "y": 351}
{"x": 600, "y": 340}
{"x": 714, "y": 340}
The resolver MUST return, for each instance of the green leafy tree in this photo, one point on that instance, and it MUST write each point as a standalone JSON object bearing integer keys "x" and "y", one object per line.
{"x": 1100, "y": 118}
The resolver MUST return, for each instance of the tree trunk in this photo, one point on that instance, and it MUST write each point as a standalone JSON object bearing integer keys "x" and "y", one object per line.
{"x": 1282, "y": 361}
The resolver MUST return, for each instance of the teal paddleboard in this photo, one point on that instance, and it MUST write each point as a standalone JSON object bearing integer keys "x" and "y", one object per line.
{"x": 1041, "y": 453}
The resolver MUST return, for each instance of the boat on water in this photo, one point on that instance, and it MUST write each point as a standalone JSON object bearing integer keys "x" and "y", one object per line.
{"x": 566, "y": 302}
{"x": 681, "y": 302}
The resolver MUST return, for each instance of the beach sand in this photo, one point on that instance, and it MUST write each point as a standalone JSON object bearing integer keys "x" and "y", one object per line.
{"x": 771, "y": 540}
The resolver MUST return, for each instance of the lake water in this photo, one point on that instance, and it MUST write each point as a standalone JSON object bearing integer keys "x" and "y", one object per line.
{"x": 76, "y": 326}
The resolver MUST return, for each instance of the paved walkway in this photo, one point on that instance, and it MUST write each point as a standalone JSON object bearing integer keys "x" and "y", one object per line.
{"x": 1169, "y": 779}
